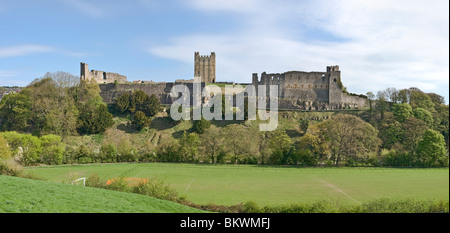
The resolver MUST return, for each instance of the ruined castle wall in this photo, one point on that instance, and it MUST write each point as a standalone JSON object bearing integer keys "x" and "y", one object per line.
{"x": 354, "y": 101}
{"x": 107, "y": 77}
{"x": 110, "y": 92}
{"x": 306, "y": 86}
{"x": 100, "y": 76}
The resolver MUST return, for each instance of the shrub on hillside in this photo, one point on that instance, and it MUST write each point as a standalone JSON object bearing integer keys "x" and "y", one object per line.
{"x": 156, "y": 187}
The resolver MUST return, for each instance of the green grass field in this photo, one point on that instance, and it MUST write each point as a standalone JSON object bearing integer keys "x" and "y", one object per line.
{"x": 19, "y": 195}
{"x": 230, "y": 185}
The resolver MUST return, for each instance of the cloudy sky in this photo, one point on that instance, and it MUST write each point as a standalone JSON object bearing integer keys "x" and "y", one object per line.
{"x": 377, "y": 44}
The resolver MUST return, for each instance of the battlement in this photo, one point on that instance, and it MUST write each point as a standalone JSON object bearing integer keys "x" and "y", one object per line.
{"x": 205, "y": 67}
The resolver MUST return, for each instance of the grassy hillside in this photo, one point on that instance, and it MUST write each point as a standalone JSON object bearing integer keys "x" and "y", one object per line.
{"x": 26, "y": 195}
{"x": 162, "y": 129}
{"x": 265, "y": 185}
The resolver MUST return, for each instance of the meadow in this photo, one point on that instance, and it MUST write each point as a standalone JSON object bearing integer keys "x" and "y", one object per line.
{"x": 20, "y": 195}
{"x": 268, "y": 185}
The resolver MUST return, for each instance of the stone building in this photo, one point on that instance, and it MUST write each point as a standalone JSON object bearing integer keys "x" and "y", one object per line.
{"x": 205, "y": 67}
{"x": 310, "y": 90}
{"x": 100, "y": 76}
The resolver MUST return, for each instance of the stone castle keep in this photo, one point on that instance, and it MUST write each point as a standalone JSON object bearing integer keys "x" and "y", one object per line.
{"x": 205, "y": 67}
{"x": 296, "y": 89}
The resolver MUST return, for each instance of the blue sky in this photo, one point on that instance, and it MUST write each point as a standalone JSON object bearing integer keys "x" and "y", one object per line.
{"x": 377, "y": 44}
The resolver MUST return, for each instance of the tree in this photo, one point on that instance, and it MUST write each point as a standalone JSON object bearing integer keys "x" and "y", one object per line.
{"x": 431, "y": 150}
{"x": 281, "y": 144}
{"x": 189, "y": 146}
{"x": 349, "y": 137}
{"x": 15, "y": 111}
{"x": 418, "y": 99}
{"x": 402, "y": 111}
{"x": 371, "y": 98}
{"x": 381, "y": 106}
{"x": 94, "y": 119}
{"x": 137, "y": 101}
{"x": 123, "y": 102}
{"x": 436, "y": 99}
{"x": 201, "y": 125}
{"x": 413, "y": 131}
{"x": 442, "y": 121}
{"x": 152, "y": 105}
{"x": 424, "y": 115}
{"x": 63, "y": 79}
{"x": 169, "y": 150}
{"x": 236, "y": 142}
{"x": 390, "y": 130}
{"x": 140, "y": 120}
{"x": 53, "y": 109}
{"x": 212, "y": 142}
{"x": 304, "y": 123}
{"x": 88, "y": 91}
{"x": 311, "y": 150}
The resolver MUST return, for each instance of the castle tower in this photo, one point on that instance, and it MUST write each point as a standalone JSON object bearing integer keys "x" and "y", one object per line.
{"x": 84, "y": 71}
{"x": 205, "y": 67}
{"x": 335, "y": 84}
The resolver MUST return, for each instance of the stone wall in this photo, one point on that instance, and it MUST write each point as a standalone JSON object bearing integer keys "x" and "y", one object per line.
{"x": 110, "y": 92}
{"x": 310, "y": 90}
{"x": 100, "y": 76}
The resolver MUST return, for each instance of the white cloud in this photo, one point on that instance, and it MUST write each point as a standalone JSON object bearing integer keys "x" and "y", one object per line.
{"x": 21, "y": 50}
{"x": 386, "y": 43}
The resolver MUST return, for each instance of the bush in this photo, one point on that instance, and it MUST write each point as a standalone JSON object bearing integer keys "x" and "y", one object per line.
{"x": 5, "y": 152}
{"x": 9, "y": 167}
{"x": 201, "y": 125}
{"x": 94, "y": 181}
{"x": 157, "y": 188}
{"x": 405, "y": 206}
{"x": 251, "y": 207}
{"x": 108, "y": 153}
{"x": 25, "y": 146}
{"x": 140, "y": 120}
{"x": 306, "y": 158}
{"x": 118, "y": 184}
{"x": 52, "y": 149}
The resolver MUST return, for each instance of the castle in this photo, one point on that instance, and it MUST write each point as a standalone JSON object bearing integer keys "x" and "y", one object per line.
{"x": 296, "y": 89}
{"x": 310, "y": 90}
